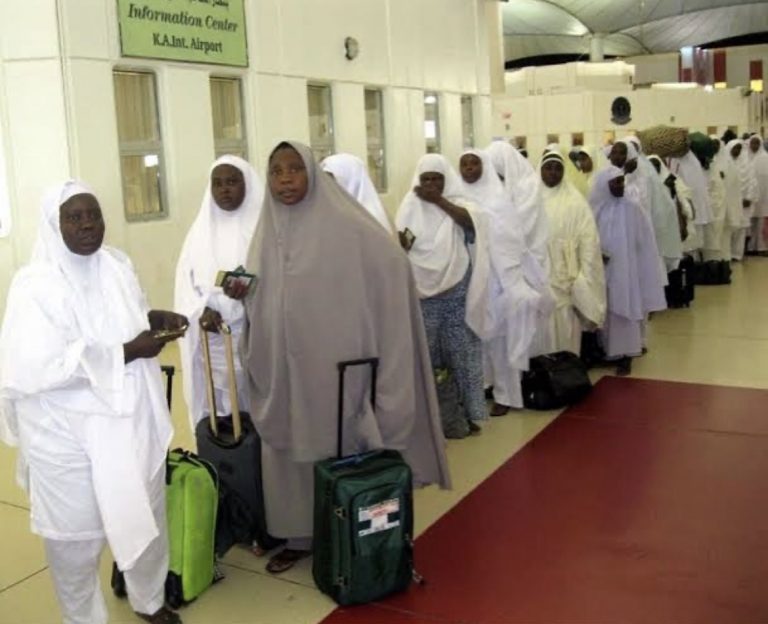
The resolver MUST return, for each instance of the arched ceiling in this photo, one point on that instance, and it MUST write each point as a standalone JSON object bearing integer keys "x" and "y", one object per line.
{"x": 545, "y": 27}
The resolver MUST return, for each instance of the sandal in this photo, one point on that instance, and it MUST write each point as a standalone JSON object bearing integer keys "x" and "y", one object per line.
{"x": 163, "y": 616}
{"x": 499, "y": 409}
{"x": 285, "y": 560}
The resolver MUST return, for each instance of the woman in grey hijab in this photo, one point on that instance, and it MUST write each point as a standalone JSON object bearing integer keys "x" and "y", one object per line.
{"x": 331, "y": 285}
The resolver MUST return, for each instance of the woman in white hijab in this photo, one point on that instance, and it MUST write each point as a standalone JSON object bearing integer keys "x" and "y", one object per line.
{"x": 759, "y": 159}
{"x": 519, "y": 297}
{"x": 450, "y": 262}
{"x": 350, "y": 173}
{"x": 522, "y": 186}
{"x": 576, "y": 266}
{"x": 740, "y": 221}
{"x": 217, "y": 241}
{"x": 634, "y": 284}
{"x": 332, "y": 286}
{"x": 588, "y": 160}
{"x": 643, "y": 181}
{"x": 81, "y": 393}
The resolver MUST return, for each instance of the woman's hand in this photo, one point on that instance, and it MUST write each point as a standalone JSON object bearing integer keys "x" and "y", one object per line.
{"x": 236, "y": 289}
{"x": 210, "y": 320}
{"x": 145, "y": 345}
{"x": 164, "y": 319}
{"x": 428, "y": 194}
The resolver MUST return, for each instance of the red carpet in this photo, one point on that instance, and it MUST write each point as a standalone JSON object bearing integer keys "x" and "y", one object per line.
{"x": 646, "y": 503}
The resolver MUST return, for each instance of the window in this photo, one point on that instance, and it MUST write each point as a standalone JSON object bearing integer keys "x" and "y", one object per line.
{"x": 432, "y": 122}
{"x": 711, "y": 130}
{"x": 228, "y": 122}
{"x": 374, "y": 131}
{"x": 553, "y": 138}
{"x": 467, "y": 122}
{"x": 320, "y": 120}
{"x": 577, "y": 139}
{"x": 520, "y": 142}
{"x": 141, "y": 147}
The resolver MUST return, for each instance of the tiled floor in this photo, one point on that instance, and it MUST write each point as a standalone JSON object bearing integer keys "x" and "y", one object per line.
{"x": 722, "y": 339}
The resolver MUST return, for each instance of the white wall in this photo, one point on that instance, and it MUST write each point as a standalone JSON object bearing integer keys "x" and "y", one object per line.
{"x": 664, "y": 67}
{"x": 589, "y": 113}
{"x": 57, "y": 103}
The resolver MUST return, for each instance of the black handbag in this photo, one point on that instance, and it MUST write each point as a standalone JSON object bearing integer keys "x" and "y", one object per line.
{"x": 555, "y": 380}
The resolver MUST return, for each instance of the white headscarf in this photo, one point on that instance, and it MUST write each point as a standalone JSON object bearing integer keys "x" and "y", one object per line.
{"x": 632, "y": 275}
{"x": 440, "y": 256}
{"x": 654, "y": 198}
{"x": 576, "y": 275}
{"x": 759, "y": 162}
{"x": 120, "y": 406}
{"x": 519, "y": 286}
{"x": 744, "y": 170}
{"x": 522, "y": 185}
{"x": 217, "y": 241}
{"x": 350, "y": 173}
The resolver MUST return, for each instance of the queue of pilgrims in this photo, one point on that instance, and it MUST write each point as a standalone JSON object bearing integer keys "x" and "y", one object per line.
{"x": 486, "y": 266}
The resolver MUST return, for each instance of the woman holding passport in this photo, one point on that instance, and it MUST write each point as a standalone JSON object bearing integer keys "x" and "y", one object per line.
{"x": 217, "y": 242}
{"x": 81, "y": 394}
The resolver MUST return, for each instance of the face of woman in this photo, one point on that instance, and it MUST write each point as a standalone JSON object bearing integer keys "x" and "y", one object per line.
{"x": 616, "y": 186}
{"x": 618, "y": 155}
{"x": 754, "y": 144}
{"x": 288, "y": 178}
{"x": 585, "y": 162}
{"x": 736, "y": 151}
{"x": 432, "y": 180}
{"x": 82, "y": 224}
{"x": 552, "y": 173}
{"x": 227, "y": 187}
{"x": 471, "y": 168}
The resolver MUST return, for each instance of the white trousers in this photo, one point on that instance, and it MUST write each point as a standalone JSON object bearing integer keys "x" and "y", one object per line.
{"x": 757, "y": 241}
{"x": 74, "y": 567}
{"x": 499, "y": 374}
{"x": 738, "y": 239}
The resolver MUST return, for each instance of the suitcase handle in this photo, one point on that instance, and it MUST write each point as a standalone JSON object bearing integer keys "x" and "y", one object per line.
{"x": 343, "y": 366}
{"x": 237, "y": 424}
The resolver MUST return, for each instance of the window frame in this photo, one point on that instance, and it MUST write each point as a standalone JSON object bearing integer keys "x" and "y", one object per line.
{"x": 143, "y": 148}
{"x": 331, "y": 120}
{"x": 379, "y": 91}
{"x": 438, "y": 129}
{"x": 230, "y": 146}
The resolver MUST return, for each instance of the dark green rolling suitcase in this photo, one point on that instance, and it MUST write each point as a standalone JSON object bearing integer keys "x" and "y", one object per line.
{"x": 363, "y": 519}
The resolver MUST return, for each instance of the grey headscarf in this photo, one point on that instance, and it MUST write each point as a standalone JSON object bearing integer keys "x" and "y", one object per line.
{"x": 333, "y": 286}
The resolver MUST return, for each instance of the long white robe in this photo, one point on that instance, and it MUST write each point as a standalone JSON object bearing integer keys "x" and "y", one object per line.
{"x": 92, "y": 431}
{"x": 634, "y": 285}
{"x": 576, "y": 269}
{"x": 741, "y": 168}
{"x": 759, "y": 161}
{"x": 519, "y": 297}
{"x": 217, "y": 241}
{"x": 350, "y": 173}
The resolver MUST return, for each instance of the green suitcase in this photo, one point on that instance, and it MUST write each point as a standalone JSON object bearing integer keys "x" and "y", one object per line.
{"x": 363, "y": 519}
{"x": 191, "y": 503}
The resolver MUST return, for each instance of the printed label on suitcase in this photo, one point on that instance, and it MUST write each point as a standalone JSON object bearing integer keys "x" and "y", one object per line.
{"x": 379, "y": 517}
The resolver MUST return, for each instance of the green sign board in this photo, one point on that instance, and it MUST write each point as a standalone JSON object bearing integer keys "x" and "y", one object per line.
{"x": 197, "y": 31}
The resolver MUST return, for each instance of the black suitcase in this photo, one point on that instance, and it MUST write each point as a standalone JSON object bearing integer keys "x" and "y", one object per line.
{"x": 680, "y": 290}
{"x": 233, "y": 446}
{"x": 363, "y": 519}
{"x": 554, "y": 381}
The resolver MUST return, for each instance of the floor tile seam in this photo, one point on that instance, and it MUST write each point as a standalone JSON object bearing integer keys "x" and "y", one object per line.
{"x": 23, "y": 580}
{"x": 14, "y": 505}
{"x": 265, "y": 574}
{"x": 640, "y": 425}
{"x": 695, "y": 334}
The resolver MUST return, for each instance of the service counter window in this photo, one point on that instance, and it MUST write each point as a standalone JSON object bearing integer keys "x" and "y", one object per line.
{"x": 228, "y": 123}
{"x": 432, "y": 122}
{"x": 467, "y": 122}
{"x": 374, "y": 131}
{"x": 141, "y": 146}
{"x": 321, "y": 138}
